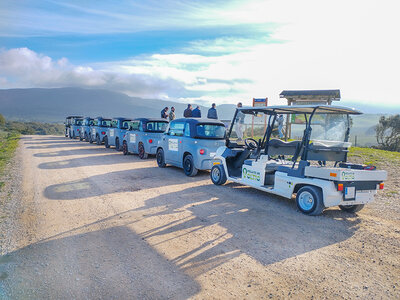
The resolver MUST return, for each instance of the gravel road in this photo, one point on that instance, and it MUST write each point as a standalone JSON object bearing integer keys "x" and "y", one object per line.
{"x": 85, "y": 222}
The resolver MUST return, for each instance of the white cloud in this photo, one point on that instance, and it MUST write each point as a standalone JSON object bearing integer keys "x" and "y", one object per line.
{"x": 350, "y": 45}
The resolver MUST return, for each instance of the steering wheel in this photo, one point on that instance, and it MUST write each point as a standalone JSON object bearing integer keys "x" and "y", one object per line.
{"x": 251, "y": 143}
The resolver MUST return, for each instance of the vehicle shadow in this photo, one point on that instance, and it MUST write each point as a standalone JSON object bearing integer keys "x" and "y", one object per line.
{"x": 267, "y": 228}
{"x": 113, "y": 263}
{"x": 70, "y": 152}
{"x": 58, "y": 145}
{"x": 118, "y": 182}
{"x": 93, "y": 160}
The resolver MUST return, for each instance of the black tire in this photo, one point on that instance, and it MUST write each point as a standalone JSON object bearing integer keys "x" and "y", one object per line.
{"x": 141, "y": 151}
{"x": 160, "y": 158}
{"x": 117, "y": 145}
{"x": 86, "y": 137}
{"x": 125, "y": 148}
{"x": 98, "y": 142}
{"x": 217, "y": 174}
{"x": 309, "y": 200}
{"x": 90, "y": 138}
{"x": 80, "y": 138}
{"x": 70, "y": 135}
{"x": 106, "y": 144}
{"x": 188, "y": 166}
{"x": 351, "y": 208}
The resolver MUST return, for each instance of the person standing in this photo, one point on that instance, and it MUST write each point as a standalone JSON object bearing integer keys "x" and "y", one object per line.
{"x": 212, "y": 112}
{"x": 196, "y": 113}
{"x": 172, "y": 114}
{"x": 164, "y": 113}
{"x": 187, "y": 113}
{"x": 280, "y": 126}
{"x": 239, "y": 123}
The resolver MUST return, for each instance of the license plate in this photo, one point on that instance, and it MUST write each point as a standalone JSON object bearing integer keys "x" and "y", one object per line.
{"x": 350, "y": 192}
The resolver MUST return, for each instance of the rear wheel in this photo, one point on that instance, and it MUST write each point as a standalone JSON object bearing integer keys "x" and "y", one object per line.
{"x": 309, "y": 200}
{"x": 106, "y": 144}
{"x": 69, "y": 134}
{"x": 142, "y": 153}
{"x": 218, "y": 175}
{"x": 125, "y": 148}
{"x": 352, "y": 208}
{"x": 160, "y": 158}
{"x": 188, "y": 166}
{"x": 117, "y": 144}
{"x": 86, "y": 137}
{"x": 90, "y": 139}
{"x": 98, "y": 142}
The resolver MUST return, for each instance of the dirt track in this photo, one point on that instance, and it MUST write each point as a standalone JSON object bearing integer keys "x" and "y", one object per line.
{"x": 92, "y": 223}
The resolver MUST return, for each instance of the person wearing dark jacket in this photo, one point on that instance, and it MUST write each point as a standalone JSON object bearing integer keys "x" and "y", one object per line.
{"x": 164, "y": 113}
{"x": 212, "y": 112}
{"x": 187, "y": 113}
{"x": 196, "y": 113}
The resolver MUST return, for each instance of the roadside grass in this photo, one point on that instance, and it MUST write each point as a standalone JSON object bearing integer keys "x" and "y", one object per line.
{"x": 370, "y": 156}
{"x": 8, "y": 145}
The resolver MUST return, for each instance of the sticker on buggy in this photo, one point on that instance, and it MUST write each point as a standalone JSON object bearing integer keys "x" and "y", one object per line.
{"x": 346, "y": 175}
{"x": 111, "y": 132}
{"x": 132, "y": 138}
{"x": 251, "y": 175}
{"x": 173, "y": 144}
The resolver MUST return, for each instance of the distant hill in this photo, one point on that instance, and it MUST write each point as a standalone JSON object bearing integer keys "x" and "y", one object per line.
{"x": 52, "y": 105}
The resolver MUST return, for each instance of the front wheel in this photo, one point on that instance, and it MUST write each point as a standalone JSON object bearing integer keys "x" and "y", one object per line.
{"x": 125, "y": 148}
{"x": 188, "y": 166}
{"x": 218, "y": 175}
{"x": 90, "y": 139}
{"x": 309, "y": 200}
{"x": 141, "y": 152}
{"x": 352, "y": 208}
{"x": 86, "y": 137}
{"x": 160, "y": 158}
{"x": 98, "y": 142}
{"x": 106, "y": 144}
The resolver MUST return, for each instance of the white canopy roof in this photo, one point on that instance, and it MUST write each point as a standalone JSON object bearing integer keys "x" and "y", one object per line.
{"x": 301, "y": 109}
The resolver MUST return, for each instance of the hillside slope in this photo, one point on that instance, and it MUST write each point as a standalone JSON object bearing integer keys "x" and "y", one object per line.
{"x": 52, "y": 105}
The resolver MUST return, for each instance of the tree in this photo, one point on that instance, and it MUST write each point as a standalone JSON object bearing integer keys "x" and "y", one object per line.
{"x": 388, "y": 133}
{"x": 2, "y": 120}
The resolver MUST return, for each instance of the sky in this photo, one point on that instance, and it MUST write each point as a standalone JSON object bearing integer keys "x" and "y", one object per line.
{"x": 204, "y": 51}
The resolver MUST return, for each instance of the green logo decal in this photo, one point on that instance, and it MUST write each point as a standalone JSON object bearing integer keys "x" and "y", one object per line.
{"x": 251, "y": 175}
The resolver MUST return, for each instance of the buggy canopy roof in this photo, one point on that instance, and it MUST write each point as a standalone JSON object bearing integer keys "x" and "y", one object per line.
{"x": 301, "y": 109}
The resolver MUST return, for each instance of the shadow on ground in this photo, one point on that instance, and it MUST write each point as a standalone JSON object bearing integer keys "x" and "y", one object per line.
{"x": 113, "y": 263}
{"x": 119, "y": 182}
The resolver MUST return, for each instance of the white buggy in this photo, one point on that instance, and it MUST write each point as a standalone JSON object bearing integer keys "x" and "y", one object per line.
{"x": 314, "y": 167}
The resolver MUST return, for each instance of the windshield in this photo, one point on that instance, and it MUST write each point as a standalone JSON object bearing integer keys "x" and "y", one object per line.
{"x": 156, "y": 126}
{"x": 248, "y": 126}
{"x": 77, "y": 122}
{"x": 210, "y": 131}
{"x": 105, "y": 123}
{"x": 325, "y": 127}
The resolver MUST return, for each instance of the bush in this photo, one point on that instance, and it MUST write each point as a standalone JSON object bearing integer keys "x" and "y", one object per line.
{"x": 388, "y": 133}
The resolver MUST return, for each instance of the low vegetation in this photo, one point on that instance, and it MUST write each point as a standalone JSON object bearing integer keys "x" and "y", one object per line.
{"x": 8, "y": 144}
{"x": 34, "y": 128}
{"x": 377, "y": 157}
{"x": 10, "y": 132}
